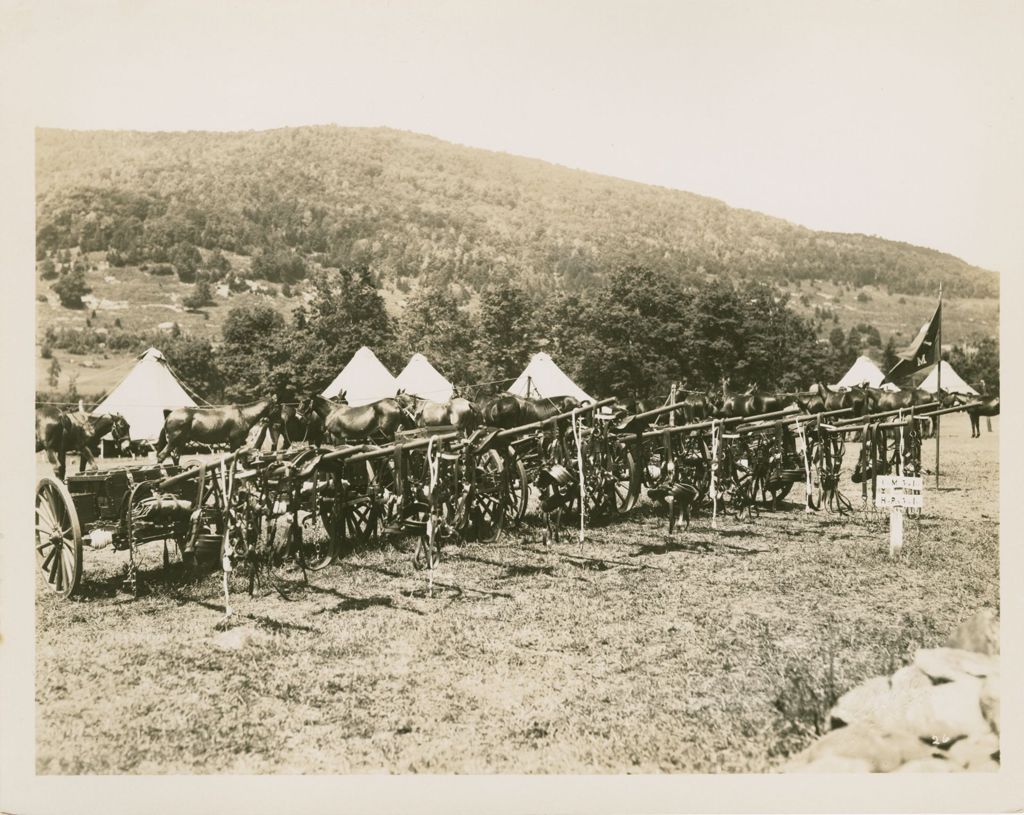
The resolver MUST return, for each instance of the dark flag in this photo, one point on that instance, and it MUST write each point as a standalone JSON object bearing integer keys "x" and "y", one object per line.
{"x": 923, "y": 351}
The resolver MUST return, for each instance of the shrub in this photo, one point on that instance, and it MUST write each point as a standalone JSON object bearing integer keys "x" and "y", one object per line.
{"x": 70, "y": 288}
{"x": 49, "y": 270}
{"x": 161, "y": 270}
{"x": 42, "y": 298}
{"x": 863, "y": 297}
{"x": 200, "y": 296}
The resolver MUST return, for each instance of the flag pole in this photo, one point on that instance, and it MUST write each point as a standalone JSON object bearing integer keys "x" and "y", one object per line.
{"x": 938, "y": 387}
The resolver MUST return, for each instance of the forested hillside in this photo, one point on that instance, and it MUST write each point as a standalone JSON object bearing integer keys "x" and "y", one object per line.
{"x": 413, "y": 207}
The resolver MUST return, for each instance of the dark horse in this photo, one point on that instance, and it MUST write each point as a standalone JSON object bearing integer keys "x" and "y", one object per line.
{"x": 507, "y": 410}
{"x": 290, "y": 425}
{"x": 381, "y": 418}
{"x": 988, "y": 406}
{"x": 228, "y": 425}
{"x": 59, "y": 433}
{"x": 458, "y": 412}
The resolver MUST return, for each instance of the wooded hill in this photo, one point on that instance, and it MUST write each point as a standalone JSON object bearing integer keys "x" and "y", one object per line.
{"x": 412, "y": 206}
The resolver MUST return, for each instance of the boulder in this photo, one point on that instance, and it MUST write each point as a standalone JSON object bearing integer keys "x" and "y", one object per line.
{"x": 989, "y": 701}
{"x": 885, "y": 751}
{"x": 837, "y": 764}
{"x": 950, "y": 664}
{"x": 947, "y": 711}
{"x": 979, "y": 634}
{"x": 865, "y": 703}
{"x": 928, "y": 765}
{"x": 976, "y": 751}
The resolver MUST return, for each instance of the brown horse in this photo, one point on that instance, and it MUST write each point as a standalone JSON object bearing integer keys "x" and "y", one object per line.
{"x": 507, "y": 410}
{"x": 381, "y": 418}
{"x": 228, "y": 425}
{"x": 458, "y": 412}
{"x": 60, "y": 433}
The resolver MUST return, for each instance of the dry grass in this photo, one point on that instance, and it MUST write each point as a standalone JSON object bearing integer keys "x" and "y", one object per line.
{"x": 709, "y": 651}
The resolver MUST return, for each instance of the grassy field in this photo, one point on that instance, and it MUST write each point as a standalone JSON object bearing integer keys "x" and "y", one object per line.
{"x": 708, "y": 651}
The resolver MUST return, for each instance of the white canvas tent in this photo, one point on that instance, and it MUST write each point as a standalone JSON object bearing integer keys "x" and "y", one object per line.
{"x": 144, "y": 394}
{"x": 364, "y": 380}
{"x": 863, "y": 370}
{"x": 951, "y": 381}
{"x": 422, "y": 379}
{"x": 544, "y": 379}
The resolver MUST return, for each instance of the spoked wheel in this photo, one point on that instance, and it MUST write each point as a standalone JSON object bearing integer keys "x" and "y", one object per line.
{"x": 358, "y": 514}
{"x": 314, "y": 531}
{"x": 490, "y": 502}
{"x": 58, "y": 537}
{"x": 625, "y": 477}
{"x": 518, "y": 487}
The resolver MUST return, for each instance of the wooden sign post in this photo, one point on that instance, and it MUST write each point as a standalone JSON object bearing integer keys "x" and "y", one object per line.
{"x": 898, "y": 492}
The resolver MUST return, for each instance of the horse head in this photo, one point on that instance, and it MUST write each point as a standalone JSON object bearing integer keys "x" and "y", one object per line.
{"x": 407, "y": 404}
{"x": 121, "y": 432}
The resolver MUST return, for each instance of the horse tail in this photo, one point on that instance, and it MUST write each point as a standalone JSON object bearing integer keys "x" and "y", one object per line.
{"x": 162, "y": 441}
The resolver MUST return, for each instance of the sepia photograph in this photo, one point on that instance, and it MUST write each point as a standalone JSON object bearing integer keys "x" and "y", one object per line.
{"x": 562, "y": 390}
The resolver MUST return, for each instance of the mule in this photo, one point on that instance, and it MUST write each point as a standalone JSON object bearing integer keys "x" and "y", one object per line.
{"x": 228, "y": 425}
{"x": 60, "y": 433}
{"x": 381, "y": 418}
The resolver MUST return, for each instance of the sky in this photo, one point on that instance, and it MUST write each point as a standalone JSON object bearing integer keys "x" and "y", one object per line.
{"x": 899, "y": 119}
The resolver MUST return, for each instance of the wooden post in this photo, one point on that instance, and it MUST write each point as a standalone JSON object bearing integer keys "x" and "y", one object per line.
{"x": 672, "y": 401}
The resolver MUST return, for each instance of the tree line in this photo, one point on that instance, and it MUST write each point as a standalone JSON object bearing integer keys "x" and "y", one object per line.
{"x": 630, "y": 337}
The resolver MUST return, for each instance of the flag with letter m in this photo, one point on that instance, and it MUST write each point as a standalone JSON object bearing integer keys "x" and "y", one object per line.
{"x": 923, "y": 352}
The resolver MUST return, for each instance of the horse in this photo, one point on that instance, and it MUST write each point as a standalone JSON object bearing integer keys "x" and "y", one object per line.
{"x": 458, "y": 412}
{"x": 507, "y": 410}
{"x": 987, "y": 406}
{"x": 59, "y": 433}
{"x": 733, "y": 404}
{"x": 381, "y": 418}
{"x": 292, "y": 426}
{"x": 229, "y": 425}
{"x": 856, "y": 399}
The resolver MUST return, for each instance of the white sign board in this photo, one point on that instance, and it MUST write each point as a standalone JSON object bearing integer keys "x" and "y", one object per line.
{"x": 899, "y": 491}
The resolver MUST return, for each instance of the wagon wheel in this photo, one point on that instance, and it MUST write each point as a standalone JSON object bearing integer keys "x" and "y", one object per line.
{"x": 518, "y": 486}
{"x": 58, "y": 537}
{"x": 625, "y": 477}
{"x": 315, "y": 534}
{"x": 491, "y": 498}
{"x": 356, "y": 508}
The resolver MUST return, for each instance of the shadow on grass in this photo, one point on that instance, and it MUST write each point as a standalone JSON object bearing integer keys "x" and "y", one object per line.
{"x": 511, "y": 570}
{"x": 262, "y": 621}
{"x": 458, "y": 591}
{"x": 695, "y": 547}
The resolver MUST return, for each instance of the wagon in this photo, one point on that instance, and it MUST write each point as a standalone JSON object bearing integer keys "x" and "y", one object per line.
{"x": 121, "y": 507}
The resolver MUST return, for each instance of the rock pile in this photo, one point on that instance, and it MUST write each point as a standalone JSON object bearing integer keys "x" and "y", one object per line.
{"x": 939, "y": 714}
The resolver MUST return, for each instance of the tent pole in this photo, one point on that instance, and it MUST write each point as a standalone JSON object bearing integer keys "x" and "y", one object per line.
{"x": 938, "y": 388}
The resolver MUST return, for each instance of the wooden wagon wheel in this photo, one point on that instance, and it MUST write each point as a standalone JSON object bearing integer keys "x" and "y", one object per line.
{"x": 518, "y": 486}
{"x": 358, "y": 512}
{"x": 314, "y": 535}
{"x": 490, "y": 497}
{"x": 625, "y": 477}
{"x": 58, "y": 537}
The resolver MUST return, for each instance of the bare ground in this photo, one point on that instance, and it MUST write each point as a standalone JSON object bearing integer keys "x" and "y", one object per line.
{"x": 708, "y": 651}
